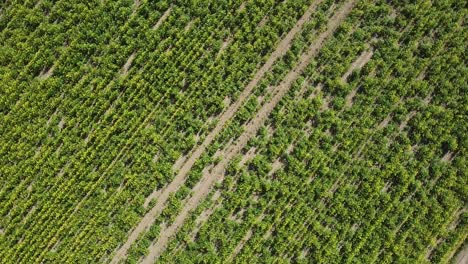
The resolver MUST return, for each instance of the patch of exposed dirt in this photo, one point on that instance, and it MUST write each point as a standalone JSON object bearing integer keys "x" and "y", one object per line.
{"x": 358, "y": 64}
{"x": 162, "y": 18}
{"x": 127, "y": 64}
{"x": 224, "y": 45}
{"x": 262, "y": 22}
{"x": 462, "y": 257}
{"x": 247, "y": 156}
{"x": 46, "y": 73}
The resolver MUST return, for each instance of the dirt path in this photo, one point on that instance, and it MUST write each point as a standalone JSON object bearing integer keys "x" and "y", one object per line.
{"x": 275, "y": 166}
{"x": 358, "y": 64}
{"x": 162, "y": 18}
{"x": 242, "y": 6}
{"x": 208, "y": 180}
{"x": 462, "y": 257}
{"x": 224, "y": 46}
{"x": 127, "y": 64}
{"x": 136, "y": 5}
{"x": 247, "y": 156}
{"x": 46, "y": 73}
{"x": 403, "y": 124}
{"x": 202, "y": 219}
{"x": 149, "y": 218}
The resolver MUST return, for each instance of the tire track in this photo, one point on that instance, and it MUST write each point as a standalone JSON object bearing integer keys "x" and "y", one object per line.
{"x": 149, "y": 218}
{"x": 208, "y": 180}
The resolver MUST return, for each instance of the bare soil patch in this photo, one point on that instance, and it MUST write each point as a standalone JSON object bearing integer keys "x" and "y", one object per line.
{"x": 247, "y": 156}
{"x": 262, "y": 22}
{"x": 462, "y": 257}
{"x": 157, "y": 192}
{"x": 201, "y": 219}
{"x": 224, "y": 45}
{"x": 189, "y": 25}
{"x": 162, "y": 19}
{"x": 239, "y": 246}
{"x": 51, "y": 117}
{"x": 407, "y": 119}
{"x": 241, "y": 7}
{"x": 61, "y": 123}
{"x": 136, "y": 4}
{"x": 385, "y": 122}
{"x": 448, "y": 156}
{"x": 275, "y": 166}
{"x": 358, "y": 64}
{"x": 46, "y": 73}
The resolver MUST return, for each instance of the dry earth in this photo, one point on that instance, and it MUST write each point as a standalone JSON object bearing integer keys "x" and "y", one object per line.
{"x": 162, "y": 19}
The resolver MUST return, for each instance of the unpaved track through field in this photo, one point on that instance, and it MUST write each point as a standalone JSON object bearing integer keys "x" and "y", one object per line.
{"x": 462, "y": 256}
{"x": 283, "y": 46}
{"x": 46, "y": 73}
{"x": 127, "y": 64}
{"x": 162, "y": 18}
{"x": 358, "y": 64}
{"x": 208, "y": 180}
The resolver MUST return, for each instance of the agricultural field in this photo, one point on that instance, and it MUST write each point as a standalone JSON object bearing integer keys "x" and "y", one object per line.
{"x": 233, "y": 131}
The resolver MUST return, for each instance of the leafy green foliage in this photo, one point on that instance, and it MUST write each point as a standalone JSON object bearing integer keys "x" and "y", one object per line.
{"x": 97, "y": 105}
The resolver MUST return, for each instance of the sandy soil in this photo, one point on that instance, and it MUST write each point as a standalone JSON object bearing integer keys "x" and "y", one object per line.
{"x": 358, "y": 64}
{"x": 407, "y": 119}
{"x": 162, "y": 19}
{"x": 241, "y": 7}
{"x": 262, "y": 22}
{"x": 51, "y": 117}
{"x": 189, "y": 25}
{"x": 61, "y": 123}
{"x": 247, "y": 156}
{"x": 136, "y": 4}
{"x": 46, "y": 74}
{"x": 127, "y": 64}
{"x": 462, "y": 257}
{"x": 239, "y": 246}
{"x": 224, "y": 45}
{"x": 384, "y": 122}
{"x": 275, "y": 166}
{"x": 447, "y": 157}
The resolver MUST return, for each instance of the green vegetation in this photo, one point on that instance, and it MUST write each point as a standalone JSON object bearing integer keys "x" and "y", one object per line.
{"x": 128, "y": 131}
